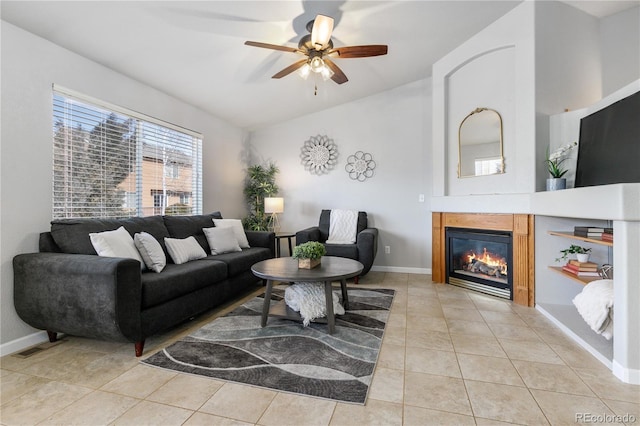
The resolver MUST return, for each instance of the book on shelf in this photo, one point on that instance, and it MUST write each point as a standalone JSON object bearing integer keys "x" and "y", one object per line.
{"x": 608, "y": 231}
{"x": 589, "y": 267}
{"x": 572, "y": 271}
{"x": 588, "y": 234}
{"x": 606, "y": 237}
{"x": 587, "y": 229}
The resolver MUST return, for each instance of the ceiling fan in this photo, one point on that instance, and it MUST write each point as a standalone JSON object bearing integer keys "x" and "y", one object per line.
{"x": 319, "y": 51}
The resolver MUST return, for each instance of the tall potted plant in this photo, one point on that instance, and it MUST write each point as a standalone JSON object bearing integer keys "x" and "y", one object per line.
{"x": 260, "y": 183}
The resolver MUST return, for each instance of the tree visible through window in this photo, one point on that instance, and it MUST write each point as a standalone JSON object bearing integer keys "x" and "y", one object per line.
{"x": 110, "y": 162}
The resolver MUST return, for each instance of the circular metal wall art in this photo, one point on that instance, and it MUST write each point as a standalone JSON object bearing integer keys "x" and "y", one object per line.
{"x": 360, "y": 166}
{"x": 319, "y": 154}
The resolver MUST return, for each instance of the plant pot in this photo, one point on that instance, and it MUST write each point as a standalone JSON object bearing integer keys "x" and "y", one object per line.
{"x": 582, "y": 257}
{"x": 554, "y": 184}
{"x": 308, "y": 263}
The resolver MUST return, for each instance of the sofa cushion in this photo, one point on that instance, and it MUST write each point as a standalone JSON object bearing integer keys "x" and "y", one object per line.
{"x": 177, "y": 280}
{"x": 72, "y": 235}
{"x": 342, "y": 250}
{"x": 242, "y": 261}
{"x": 186, "y": 226}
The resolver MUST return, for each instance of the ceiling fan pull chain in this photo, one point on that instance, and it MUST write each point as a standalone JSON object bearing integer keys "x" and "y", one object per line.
{"x": 315, "y": 89}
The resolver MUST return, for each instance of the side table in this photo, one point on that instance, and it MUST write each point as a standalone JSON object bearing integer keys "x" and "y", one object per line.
{"x": 280, "y": 236}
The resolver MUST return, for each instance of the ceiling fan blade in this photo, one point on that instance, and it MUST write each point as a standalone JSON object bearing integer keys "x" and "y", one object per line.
{"x": 321, "y": 32}
{"x": 291, "y": 68}
{"x": 338, "y": 76}
{"x": 360, "y": 51}
{"x": 271, "y": 46}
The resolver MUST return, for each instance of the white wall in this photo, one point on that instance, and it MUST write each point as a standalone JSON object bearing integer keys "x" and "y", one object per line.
{"x": 620, "y": 46}
{"x": 502, "y": 52}
{"x": 30, "y": 65}
{"x": 395, "y": 128}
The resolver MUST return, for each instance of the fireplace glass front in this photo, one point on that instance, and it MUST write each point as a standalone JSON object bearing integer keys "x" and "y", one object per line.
{"x": 480, "y": 260}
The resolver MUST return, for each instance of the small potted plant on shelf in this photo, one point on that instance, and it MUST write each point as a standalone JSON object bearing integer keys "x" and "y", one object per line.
{"x": 582, "y": 253}
{"x": 554, "y": 166}
{"x": 309, "y": 254}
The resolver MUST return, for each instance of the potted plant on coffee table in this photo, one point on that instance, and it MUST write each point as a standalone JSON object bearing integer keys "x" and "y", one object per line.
{"x": 309, "y": 254}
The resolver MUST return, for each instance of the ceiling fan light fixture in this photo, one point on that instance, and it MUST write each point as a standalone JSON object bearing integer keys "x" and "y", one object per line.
{"x": 304, "y": 71}
{"x": 321, "y": 31}
{"x": 326, "y": 73}
{"x": 316, "y": 64}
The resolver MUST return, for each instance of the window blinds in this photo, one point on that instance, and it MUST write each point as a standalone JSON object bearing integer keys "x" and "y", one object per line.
{"x": 109, "y": 162}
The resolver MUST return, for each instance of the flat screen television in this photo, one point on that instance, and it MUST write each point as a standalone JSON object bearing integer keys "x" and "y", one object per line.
{"x": 609, "y": 146}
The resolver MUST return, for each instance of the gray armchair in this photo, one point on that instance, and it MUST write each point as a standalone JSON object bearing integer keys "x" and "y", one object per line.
{"x": 364, "y": 250}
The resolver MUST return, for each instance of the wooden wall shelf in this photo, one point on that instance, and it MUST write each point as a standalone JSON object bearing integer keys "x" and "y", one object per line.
{"x": 575, "y": 237}
{"x": 581, "y": 280}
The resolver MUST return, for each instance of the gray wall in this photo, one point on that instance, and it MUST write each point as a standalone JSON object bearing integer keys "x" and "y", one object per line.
{"x": 30, "y": 65}
{"x": 394, "y": 127}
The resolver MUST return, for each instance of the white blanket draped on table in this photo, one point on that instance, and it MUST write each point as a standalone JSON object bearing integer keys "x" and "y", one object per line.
{"x": 309, "y": 299}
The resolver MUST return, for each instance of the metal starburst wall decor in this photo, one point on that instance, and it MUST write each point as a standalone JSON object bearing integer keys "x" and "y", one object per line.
{"x": 319, "y": 154}
{"x": 360, "y": 166}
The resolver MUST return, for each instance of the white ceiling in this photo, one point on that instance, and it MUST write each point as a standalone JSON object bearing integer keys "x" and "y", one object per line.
{"x": 194, "y": 51}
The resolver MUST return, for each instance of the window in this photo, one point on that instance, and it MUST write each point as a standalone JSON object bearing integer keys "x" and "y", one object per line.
{"x": 488, "y": 166}
{"x": 112, "y": 162}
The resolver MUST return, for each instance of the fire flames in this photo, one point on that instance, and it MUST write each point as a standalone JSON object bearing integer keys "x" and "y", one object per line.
{"x": 490, "y": 259}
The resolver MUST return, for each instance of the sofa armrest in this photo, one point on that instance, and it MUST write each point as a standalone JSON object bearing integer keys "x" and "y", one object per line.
{"x": 82, "y": 295}
{"x": 265, "y": 239}
{"x": 367, "y": 242}
{"x": 309, "y": 234}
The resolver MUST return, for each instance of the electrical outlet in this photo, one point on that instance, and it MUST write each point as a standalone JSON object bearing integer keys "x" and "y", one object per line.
{"x": 387, "y": 249}
{"x": 421, "y": 198}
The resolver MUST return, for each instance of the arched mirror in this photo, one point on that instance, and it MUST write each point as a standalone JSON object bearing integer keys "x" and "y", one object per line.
{"x": 480, "y": 144}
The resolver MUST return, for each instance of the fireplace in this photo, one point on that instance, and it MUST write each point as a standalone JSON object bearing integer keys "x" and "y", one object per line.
{"x": 521, "y": 265}
{"x": 480, "y": 260}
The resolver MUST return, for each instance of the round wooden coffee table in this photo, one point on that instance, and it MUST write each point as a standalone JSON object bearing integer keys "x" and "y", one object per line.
{"x": 285, "y": 269}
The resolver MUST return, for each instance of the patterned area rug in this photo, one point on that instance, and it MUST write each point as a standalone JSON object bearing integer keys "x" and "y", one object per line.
{"x": 286, "y": 356}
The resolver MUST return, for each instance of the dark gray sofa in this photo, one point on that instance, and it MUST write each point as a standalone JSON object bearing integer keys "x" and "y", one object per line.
{"x": 67, "y": 288}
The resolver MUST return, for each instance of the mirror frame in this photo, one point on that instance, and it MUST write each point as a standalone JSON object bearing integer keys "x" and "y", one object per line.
{"x": 476, "y": 111}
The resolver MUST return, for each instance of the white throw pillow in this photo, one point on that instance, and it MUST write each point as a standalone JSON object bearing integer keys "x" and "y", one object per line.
{"x": 221, "y": 240}
{"x": 238, "y": 230}
{"x": 151, "y": 251}
{"x": 184, "y": 250}
{"x": 116, "y": 243}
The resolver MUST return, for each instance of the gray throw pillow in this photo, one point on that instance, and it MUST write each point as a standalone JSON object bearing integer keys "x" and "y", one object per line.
{"x": 184, "y": 250}
{"x": 151, "y": 251}
{"x": 221, "y": 240}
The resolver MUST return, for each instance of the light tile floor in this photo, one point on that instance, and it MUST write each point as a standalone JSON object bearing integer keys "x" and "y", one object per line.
{"x": 449, "y": 356}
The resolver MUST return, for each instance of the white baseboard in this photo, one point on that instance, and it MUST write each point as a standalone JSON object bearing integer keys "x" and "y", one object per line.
{"x": 401, "y": 269}
{"x": 23, "y": 343}
{"x": 627, "y": 375}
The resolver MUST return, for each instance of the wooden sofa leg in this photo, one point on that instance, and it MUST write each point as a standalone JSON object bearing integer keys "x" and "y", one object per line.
{"x": 356, "y": 279}
{"x": 53, "y": 336}
{"x": 139, "y": 345}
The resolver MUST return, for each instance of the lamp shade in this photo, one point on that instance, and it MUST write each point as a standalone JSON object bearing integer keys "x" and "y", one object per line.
{"x": 273, "y": 205}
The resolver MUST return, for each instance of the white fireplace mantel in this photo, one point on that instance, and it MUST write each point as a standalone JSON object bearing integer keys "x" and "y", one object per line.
{"x": 609, "y": 202}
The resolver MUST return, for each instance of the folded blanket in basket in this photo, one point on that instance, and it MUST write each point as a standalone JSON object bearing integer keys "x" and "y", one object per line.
{"x": 308, "y": 298}
{"x": 595, "y": 305}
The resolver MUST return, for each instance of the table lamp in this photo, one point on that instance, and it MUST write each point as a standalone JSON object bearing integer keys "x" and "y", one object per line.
{"x": 273, "y": 205}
